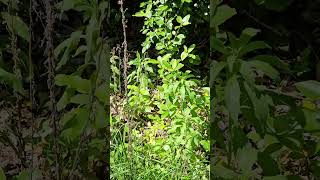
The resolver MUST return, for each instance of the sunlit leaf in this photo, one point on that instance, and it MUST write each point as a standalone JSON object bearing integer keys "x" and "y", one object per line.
{"x": 310, "y": 89}
{"x": 223, "y": 13}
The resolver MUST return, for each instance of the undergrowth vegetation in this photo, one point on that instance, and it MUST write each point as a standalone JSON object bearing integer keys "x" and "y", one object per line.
{"x": 159, "y": 89}
{"x": 168, "y": 108}
{"x": 261, "y": 126}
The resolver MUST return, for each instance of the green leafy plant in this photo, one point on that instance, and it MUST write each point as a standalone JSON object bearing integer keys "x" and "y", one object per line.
{"x": 169, "y": 98}
{"x": 83, "y": 103}
{"x": 253, "y": 107}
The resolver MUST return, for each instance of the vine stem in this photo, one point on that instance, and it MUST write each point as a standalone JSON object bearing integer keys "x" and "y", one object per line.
{"x": 125, "y": 69}
{"x": 125, "y": 47}
{"x": 31, "y": 87}
{"x": 51, "y": 84}
{"x": 15, "y": 57}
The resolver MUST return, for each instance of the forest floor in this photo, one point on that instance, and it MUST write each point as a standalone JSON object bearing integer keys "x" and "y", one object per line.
{"x": 9, "y": 159}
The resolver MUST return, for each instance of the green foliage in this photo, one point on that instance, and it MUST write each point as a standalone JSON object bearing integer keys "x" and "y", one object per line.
{"x": 251, "y": 107}
{"x": 264, "y": 102}
{"x": 223, "y": 13}
{"x": 87, "y": 97}
{"x": 170, "y": 99}
{"x": 310, "y": 89}
{"x": 2, "y": 175}
{"x": 16, "y": 25}
{"x": 11, "y": 79}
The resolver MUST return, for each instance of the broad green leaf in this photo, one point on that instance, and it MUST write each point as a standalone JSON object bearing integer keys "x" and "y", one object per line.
{"x": 247, "y": 34}
{"x": 234, "y": 41}
{"x": 102, "y": 93}
{"x": 309, "y": 105}
{"x": 80, "y": 99}
{"x": 269, "y": 165}
{"x": 92, "y": 36}
{"x": 179, "y": 66}
{"x": 184, "y": 55}
{"x": 185, "y": 20}
{"x": 215, "y": 69}
{"x": 12, "y": 80}
{"x": 69, "y": 45}
{"x": 272, "y": 60}
{"x": 247, "y": 156}
{"x": 267, "y": 141}
{"x": 251, "y": 32}
{"x": 180, "y": 37}
{"x": 62, "y": 46}
{"x": 2, "y": 175}
{"x": 282, "y": 124}
{"x": 266, "y": 68}
{"x": 221, "y": 171}
{"x": 205, "y": 144}
{"x": 140, "y": 14}
{"x": 312, "y": 119}
{"x": 75, "y": 82}
{"x": 260, "y": 106}
{"x": 223, "y": 13}
{"x": 231, "y": 60}
{"x": 218, "y": 45}
{"x": 76, "y": 125}
{"x": 65, "y": 99}
{"x": 68, "y": 116}
{"x": 239, "y": 138}
{"x": 152, "y": 61}
{"x": 252, "y": 46}
{"x": 101, "y": 120}
{"x": 310, "y": 89}
{"x": 191, "y": 48}
{"x": 247, "y": 72}
{"x": 80, "y": 50}
{"x": 272, "y": 148}
{"x": 232, "y": 97}
{"x": 16, "y": 25}
{"x": 179, "y": 19}
{"x": 250, "y": 115}
{"x": 255, "y": 137}
{"x": 218, "y": 135}
{"x": 291, "y": 143}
